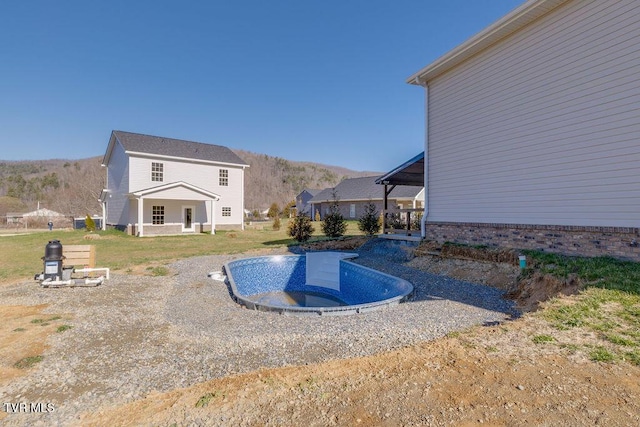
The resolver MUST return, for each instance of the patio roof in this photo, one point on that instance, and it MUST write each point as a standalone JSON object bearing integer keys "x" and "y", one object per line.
{"x": 410, "y": 172}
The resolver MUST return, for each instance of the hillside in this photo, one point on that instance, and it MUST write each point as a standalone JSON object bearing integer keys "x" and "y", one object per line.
{"x": 72, "y": 187}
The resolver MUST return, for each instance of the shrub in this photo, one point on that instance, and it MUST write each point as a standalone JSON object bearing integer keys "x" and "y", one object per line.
{"x": 276, "y": 223}
{"x": 89, "y": 223}
{"x": 274, "y": 210}
{"x": 334, "y": 224}
{"x": 369, "y": 222}
{"x": 317, "y": 216}
{"x": 300, "y": 228}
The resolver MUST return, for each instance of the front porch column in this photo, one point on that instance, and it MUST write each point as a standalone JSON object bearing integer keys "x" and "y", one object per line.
{"x": 140, "y": 216}
{"x": 213, "y": 217}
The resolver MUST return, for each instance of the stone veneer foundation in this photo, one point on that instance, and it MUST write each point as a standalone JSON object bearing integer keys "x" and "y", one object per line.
{"x": 618, "y": 242}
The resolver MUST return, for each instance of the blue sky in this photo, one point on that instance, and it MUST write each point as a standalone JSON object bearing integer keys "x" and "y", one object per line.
{"x": 306, "y": 80}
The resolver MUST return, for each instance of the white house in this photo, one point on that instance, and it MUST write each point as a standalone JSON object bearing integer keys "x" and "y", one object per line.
{"x": 533, "y": 131}
{"x": 159, "y": 185}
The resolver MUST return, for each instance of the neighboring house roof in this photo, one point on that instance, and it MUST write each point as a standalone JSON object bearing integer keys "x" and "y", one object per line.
{"x": 312, "y": 191}
{"x": 170, "y": 147}
{"x": 364, "y": 188}
{"x": 514, "y": 21}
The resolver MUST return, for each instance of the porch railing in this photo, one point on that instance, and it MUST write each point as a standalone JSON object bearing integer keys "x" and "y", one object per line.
{"x": 402, "y": 221}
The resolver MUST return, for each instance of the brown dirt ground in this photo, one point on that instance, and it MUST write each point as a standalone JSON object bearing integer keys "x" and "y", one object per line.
{"x": 495, "y": 375}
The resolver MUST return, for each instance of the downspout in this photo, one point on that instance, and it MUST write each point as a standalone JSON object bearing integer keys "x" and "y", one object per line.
{"x": 104, "y": 215}
{"x": 423, "y": 221}
{"x": 242, "y": 208}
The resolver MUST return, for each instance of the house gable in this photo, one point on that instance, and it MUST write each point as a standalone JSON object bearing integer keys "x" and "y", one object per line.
{"x": 177, "y": 191}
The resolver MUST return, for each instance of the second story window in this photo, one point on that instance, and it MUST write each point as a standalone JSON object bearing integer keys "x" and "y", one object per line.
{"x": 224, "y": 177}
{"x": 157, "y": 171}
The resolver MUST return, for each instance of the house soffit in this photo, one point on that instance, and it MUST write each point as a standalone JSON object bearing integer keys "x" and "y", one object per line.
{"x": 183, "y": 159}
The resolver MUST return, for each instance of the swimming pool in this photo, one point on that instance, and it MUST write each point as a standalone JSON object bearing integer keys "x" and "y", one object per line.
{"x": 323, "y": 283}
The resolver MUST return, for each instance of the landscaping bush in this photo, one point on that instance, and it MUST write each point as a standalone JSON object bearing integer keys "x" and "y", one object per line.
{"x": 89, "y": 223}
{"x": 369, "y": 222}
{"x": 334, "y": 224}
{"x": 300, "y": 228}
{"x": 274, "y": 210}
{"x": 276, "y": 223}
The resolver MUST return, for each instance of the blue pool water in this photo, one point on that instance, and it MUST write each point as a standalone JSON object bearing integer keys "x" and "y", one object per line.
{"x": 281, "y": 283}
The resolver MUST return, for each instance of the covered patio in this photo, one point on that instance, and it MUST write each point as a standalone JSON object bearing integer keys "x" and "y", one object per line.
{"x": 404, "y": 222}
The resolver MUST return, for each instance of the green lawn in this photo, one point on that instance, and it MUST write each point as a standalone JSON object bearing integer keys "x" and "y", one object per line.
{"x": 21, "y": 254}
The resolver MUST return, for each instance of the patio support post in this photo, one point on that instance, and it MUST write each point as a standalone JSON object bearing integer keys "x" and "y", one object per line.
{"x": 385, "y": 206}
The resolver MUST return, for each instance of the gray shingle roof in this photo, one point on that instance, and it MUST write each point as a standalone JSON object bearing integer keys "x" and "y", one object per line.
{"x": 149, "y": 144}
{"x": 364, "y": 188}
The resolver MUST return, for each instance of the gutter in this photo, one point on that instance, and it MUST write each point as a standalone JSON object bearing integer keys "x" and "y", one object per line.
{"x": 423, "y": 220}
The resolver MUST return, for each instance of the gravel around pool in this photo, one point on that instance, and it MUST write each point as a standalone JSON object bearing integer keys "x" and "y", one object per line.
{"x": 135, "y": 335}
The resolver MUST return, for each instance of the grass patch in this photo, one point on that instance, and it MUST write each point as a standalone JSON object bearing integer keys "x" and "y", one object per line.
{"x": 37, "y": 321}
{"x": 204, "y": 400}
{"x": 158, "y": 271}
{"x": 28, "y": 362}
{"x": 602, "y": 354}
{"x": 19, "y": 330}
{"x": 118, "y": 251}
{"x": 543, "y": 339}
{"x": 63, "y": 328}
{"x": 612, "y": 315}
{"x": 601, "y": 272}
{"x": 632, "y": 357}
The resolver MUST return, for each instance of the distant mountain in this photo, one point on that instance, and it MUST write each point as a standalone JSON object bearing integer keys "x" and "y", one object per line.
{"x": 72, "y": 187}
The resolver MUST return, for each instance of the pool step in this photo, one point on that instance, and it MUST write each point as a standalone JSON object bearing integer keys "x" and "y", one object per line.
{"x": 323, "y": 268}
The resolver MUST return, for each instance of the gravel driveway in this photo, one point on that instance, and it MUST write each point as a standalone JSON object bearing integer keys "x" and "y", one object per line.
{"x": 136, "y": 334}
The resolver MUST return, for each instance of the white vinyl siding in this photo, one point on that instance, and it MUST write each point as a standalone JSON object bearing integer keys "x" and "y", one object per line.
{"x": 543, "y": 127}
{"x": 201, "y": 175}
{"x": 118, "y": 185}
